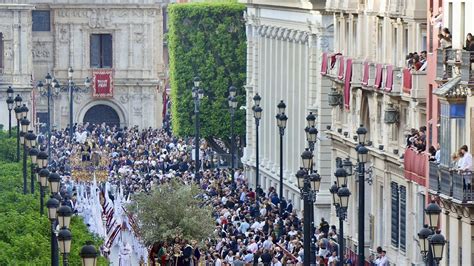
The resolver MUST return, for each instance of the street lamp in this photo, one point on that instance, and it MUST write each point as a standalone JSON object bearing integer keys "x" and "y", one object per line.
{"x": 281, "y": 123}
{"x": 10, "y": 103}
{"x": 88, "y": 255}
{"x": 257, "y": 115}
{"x": 307, "y": 185}
{"x": 197, "y": 94}
{"x": 73, "y": 88}
{"x": 43, "y": 181}
{"x": 431, "y": 240}
{"x": 362, "y": 154}
{"x": 30, "y": 139}
{"x": 52, "y": 204}
{"x": 64, "y": 215}
{"x": 64, "y": 241}
{"x": 232, "y": 107}
{"x": 18, "y": 115}
{"x": 23, "y": 137}
{"x": 54, "y": 180}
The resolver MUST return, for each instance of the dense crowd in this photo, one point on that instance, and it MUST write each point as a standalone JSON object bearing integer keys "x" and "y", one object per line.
{"x": 247, "y": 230}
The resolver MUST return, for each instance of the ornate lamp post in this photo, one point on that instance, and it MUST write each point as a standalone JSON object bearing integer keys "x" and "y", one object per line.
{"x": 88, "y": 255}
{"x": 431, "y": 240}
{"x": 10, "y": 103}
{"x": 18, "y": 115}
{"x": 64, "y": 236}
{"x": 232, "y": 107}
{"x": 309, "y": 185}
{"x": 197, "y": 94}
{"x": 52, "y": 204}
{"x": 362, "y": 154}
{"x": 73, "y": 88}
{"x": 30, "y": 144}
{"x": 49, "y": 93}
{"x": 257, "y": 115}
{"x": 340, "y": 194}
{"x": 24, "y": 130}
{"x": 281, "y": 123}
{"x": 43, "y": 179}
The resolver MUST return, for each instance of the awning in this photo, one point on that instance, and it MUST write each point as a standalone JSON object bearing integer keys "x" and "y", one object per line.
{"x": 449, "y": 88}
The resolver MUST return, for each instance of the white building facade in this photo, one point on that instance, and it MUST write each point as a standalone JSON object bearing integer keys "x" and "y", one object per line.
{"x": 368, "y": 71}
{"x": 118, "y": 45}
{"x": 284, "y": 44}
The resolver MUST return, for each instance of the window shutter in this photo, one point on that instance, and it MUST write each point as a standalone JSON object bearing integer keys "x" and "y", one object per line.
{"x": 403, "y": 217}
{"x": 395, "y": 211}
{"x": 106, "y": 50}
{"x": 95, "y": 51}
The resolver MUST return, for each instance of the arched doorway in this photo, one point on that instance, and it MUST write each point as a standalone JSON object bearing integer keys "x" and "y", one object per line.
{"x": 102, "y": 113}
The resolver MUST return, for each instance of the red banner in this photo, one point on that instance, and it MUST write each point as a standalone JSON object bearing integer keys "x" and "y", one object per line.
{"x": 406, "y": 80}
{"x": 347, "y": 84}
{"x": 324, "y": 64}
{"x": 378, "y": 76}
{"x": 389, "y": 78}
{"x": 102, "y": 83}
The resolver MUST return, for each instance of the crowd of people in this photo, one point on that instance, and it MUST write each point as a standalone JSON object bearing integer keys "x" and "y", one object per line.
{"x": 250, "y": 226}
{"x": 417, "y": 62}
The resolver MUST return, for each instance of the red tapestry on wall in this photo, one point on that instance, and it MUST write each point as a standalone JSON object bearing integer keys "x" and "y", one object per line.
{"x": 324, "y": 64}
{"x": 102, "y": 83}
{"x": 347, "y": 84}
{"x": 406, "y": 80}
{"x": 341, "y": 67}
{"x": 365, "y": 77}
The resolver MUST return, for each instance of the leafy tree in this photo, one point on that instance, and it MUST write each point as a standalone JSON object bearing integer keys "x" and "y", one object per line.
{"x": 207, "y": 40}
{"x": 170, "y": 210}
{"x": 24, "y": 234}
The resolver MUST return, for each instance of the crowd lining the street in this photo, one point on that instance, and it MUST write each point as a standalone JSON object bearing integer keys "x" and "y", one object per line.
{"x": 247, "y": 231}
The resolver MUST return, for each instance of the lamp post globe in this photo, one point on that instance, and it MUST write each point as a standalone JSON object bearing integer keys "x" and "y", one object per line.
{"x": 54, "y": 180}
{"x": 197, "y": 81}
{"x": 432, "y": 212}
{"x": 423, "y": 237}
{"x": 307, "y": 157}
{"x": 43, "y": 177}
{"x": 25, "y": 123}
{"x": 87, "y": 83}
{"x": 64, "y": 241}
{"x": 341, "y": 177}
{"x": 315, "y": 180}
{"x": 343, "y": 193}
{"x": 42, "y": 159}
{"x": 361, "y": 134}
{"x": 281, "y": 120}
{"x": 34, "y": 155}
{"x": 281, "y": 107}
{"x": 30, "y": 139}
{"x": 347, "y": 165}
{"x": 88, "y": 255}
{"x": 333, "y": 190}
{"x": 437, "y": 246}
{"x": 10, "y": 92}
{"x": 52, "y": 204}
{"x": 257, "y": 112}
{"x": 64, "y": 216}
{"x": 70, "y": 72}
{"x": 300, "y": 177}
{"x": 48, "y": 79}
{"x": 362, "y": 154}
{"x": 18, "y": 100}
{"x": 232, "y": 91}
{"x": 24, "y": 111}
{"x": 311, "y": 119}
{"x": 10, "y": 103}
{"x": 257, "y": 99}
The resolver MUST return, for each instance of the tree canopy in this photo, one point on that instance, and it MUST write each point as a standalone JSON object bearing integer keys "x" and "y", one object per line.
{"x": 207, "y": 40}
{"x": 172, "y": 210}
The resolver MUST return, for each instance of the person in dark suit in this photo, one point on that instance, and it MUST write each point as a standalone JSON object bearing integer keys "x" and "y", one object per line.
{"x": 187, "y": 254}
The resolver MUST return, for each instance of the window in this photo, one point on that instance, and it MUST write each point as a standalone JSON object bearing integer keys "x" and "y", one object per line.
{"x": 424, "y": 38}
{"x": 452, "y": 129}
{"x": 41, "y": 20}
{"x": 101, "y": 51}
{"x": 403, "y": 218}
{"x": 395, "y": 214}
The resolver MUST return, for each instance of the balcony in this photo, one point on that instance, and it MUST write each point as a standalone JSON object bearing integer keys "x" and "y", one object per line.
{"x": 450, "y": 184}
{"x": 415, "y": 166}
{"x": 451, "y": 61}
{"x": 419, "y": 85}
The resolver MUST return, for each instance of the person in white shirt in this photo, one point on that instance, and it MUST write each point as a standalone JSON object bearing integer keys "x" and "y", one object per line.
{"x": 382, "y": 260}
{"x": 466, "y": 166}
{"x": 333, "y": 258}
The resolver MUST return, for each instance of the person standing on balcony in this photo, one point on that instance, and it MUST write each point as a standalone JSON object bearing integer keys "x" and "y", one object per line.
{"x": 466, "y": 166}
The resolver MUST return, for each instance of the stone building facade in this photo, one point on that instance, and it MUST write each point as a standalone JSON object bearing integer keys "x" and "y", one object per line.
{"x": 369, "y": 71}
{"x": 284, "y": 42}
{"x": 123, "y": 41}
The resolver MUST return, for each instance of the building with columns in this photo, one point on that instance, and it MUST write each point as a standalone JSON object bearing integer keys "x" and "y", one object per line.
{"x": 285, "y": 40}
{"x": 374, "y": 87}
{"x": 451, "y": 114}
{"x": 15, "y": 55}
{"x": 117, "y": 44}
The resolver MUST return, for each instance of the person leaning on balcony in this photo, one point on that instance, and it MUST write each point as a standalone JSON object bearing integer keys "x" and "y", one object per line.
{"x": 444, "y": 42}
{"x": 465, "y": 166}
{"x": 423, "y": 61}
{"x": 469, "y": 43}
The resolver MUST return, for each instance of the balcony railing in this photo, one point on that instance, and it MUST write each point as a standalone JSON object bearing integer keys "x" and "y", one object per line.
{"x": 415, "y": 165}
{"x": 451, "y": 184}
{"x": 451, "y": 61}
